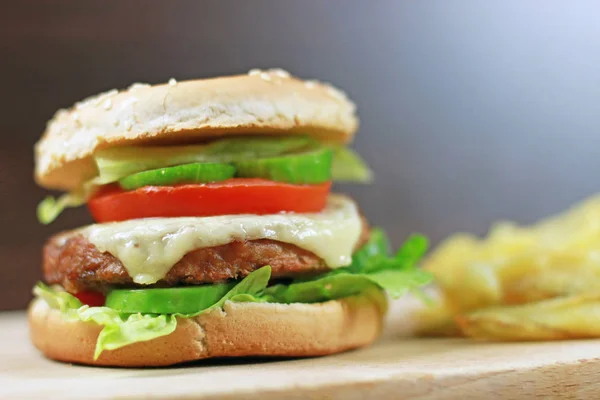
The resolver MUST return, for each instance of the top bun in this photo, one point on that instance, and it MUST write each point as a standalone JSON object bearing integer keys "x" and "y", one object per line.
{"x": 260, "y": 102}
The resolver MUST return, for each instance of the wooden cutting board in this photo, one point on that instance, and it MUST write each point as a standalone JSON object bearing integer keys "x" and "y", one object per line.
{"x": 393, "y": 368}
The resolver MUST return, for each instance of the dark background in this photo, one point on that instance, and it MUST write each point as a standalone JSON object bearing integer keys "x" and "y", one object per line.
{"x": 471, "y": 111}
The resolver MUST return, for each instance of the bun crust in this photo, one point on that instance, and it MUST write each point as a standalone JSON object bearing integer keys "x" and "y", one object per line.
{"x": 238, "y": 330}
{"x": 260, "y": 102}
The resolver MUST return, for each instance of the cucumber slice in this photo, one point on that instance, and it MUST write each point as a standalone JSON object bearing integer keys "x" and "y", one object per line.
{"x": 118, "y": 162}
{"x": 303, "y": 168}
{"x": 187, "y": 173}
{"x": 183, "y": 300}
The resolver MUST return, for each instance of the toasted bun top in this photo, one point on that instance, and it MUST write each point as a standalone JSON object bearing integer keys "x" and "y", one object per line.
{"x": 260, "y": 102}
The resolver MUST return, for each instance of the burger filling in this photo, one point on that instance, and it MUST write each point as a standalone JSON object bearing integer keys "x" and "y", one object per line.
{"x": 182, "y": 229}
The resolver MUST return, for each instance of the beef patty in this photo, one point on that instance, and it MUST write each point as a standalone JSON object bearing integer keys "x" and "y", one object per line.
{"x": 77, "y": 265}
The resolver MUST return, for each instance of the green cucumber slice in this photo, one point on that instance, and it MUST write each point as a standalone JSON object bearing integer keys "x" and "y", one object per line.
{"x": 310, "y": 167}
{"x": 183, "y": 300}
{"x": 118, "y": 162}
{"x": 186, "y": 173}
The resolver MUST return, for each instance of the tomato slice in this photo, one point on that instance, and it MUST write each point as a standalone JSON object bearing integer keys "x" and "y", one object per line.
{"x": 92, "y": 299}
{"x": 233, "y": 196}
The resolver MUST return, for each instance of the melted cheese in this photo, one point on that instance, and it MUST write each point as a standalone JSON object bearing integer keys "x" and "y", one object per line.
{"x": 149, "y": 248}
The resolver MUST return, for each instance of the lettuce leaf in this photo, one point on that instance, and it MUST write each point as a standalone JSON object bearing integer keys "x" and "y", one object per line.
{"x": 371, "y": 266}
{"x": 371, "y": 255}
{"x": 50, "y": 208}
{"x": 57, "y": 299}
{"x": 249, "y": 289}
{"x": 118, "y": 329}
{"x": 372, "y": 271}
{"x": 122, "y": 330}
{"x": 397, "y": 283}
{"x": 347, "y": 166}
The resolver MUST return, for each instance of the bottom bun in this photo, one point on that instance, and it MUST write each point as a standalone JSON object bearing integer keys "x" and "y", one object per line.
{"x": 237, "y": 330}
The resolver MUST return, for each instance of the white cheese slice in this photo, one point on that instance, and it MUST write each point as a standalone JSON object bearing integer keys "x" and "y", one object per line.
{"x": 150, "y": 247}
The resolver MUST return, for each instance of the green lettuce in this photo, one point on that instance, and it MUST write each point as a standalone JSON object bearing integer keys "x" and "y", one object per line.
{"x": 50, "y": 208}
{"x": 347, "y": 166}
{"x": 371, "y": 271}
{"x": 371, "y": 266}
{"x": 249, "y": 289}
{"x": 121, "y": 329}
{"x": 118, "y": 330}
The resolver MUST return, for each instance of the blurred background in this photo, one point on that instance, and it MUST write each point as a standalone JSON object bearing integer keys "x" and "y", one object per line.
{"x": 470, "y": 111}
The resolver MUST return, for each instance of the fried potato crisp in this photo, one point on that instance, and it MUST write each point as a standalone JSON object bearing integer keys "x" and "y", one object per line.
{"x": 538, "y": 282}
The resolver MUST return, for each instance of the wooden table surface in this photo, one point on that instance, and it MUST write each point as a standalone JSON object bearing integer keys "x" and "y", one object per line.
{"x": 393, "y": 368}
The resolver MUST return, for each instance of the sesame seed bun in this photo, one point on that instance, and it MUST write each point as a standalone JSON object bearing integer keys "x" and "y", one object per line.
{"x": 238, "y": 330}
{"x": 260, "y": 102}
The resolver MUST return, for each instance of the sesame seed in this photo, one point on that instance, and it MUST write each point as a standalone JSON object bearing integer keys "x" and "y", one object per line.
{"x": 138, "y": 85}
{"x": 110, "y": 93}
{"x": 172, "y": 82}
{"x": 254, "y": 72}
{"x": 107, "y": 104}
{"x": 310, "y": 84}
{"x": 80, "y": 104}
{"x": 265, "y": 76}
{"x": 336, "y": 93}
{"x": 280, "y": 73}
{"x": 101, "y": 97}
{"x": 75, "y": 116}
{"x": 61, "y": 113}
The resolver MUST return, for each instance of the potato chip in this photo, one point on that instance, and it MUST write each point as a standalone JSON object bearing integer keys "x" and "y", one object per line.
{"x": 514, "y": 273}
{"x": 561, "y": 318}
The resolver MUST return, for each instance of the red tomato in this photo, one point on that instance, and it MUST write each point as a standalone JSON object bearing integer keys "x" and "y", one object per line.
{"x": 233, "y": 196}
{"x": 92, "y": 299}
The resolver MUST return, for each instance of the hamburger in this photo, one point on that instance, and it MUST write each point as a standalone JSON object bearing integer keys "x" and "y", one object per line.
{"x": 216, "y": 233}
